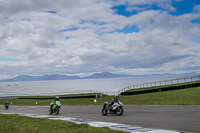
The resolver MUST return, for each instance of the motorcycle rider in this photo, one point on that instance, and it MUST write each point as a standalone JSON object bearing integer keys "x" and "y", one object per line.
{"x": 114, "y": 100}
{"x": 6, "y": 105}
{"x": 54, "y": 101}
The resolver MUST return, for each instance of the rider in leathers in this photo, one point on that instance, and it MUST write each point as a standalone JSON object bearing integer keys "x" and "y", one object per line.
{"x": 54, "y": 101}
{"x": 114, "y": 100}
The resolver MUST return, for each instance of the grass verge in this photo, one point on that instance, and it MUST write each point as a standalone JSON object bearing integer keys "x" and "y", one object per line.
{"x": 46, "y": 102}
{"x": 165, "y": 86}
{"x": 22, "y": 124}
{"x": 189, "y": 96}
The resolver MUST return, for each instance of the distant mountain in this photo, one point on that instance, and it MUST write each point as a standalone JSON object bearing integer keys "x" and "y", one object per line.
{"x": 62, "y": 77}
{"x": 93, "y": 76}
{"x": 58, "y": 77}
{"x": 106, "y": 75}
{"x": 40, "y": 78}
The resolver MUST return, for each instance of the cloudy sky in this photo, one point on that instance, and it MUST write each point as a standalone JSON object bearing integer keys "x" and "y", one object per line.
{"x": 81, "y": 37}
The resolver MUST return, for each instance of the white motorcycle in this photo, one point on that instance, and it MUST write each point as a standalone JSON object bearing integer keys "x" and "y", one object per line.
{"x": 116, "y": 108}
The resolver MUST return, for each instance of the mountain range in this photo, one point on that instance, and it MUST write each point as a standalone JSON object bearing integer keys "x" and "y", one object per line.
{"x": 65, "y": 77}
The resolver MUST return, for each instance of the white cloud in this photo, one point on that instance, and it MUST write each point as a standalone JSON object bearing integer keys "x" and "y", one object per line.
{"x": 80, "y": 37}
{"x": 73, "y": 61}
{"x": 141, "y": 5}
{"x": 197, "y": 8}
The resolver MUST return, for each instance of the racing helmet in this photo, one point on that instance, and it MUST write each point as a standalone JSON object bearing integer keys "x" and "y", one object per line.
{"x": 116, "y": 96}
{"x": 57, "y": 98}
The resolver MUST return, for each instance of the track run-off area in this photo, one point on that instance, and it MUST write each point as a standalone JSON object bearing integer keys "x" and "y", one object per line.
{"x": 136, "y": 118}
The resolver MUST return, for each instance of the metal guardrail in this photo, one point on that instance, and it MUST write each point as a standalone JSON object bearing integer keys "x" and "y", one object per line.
{"x": 13, "y": 98}
{"x": 160, "y": 83}
{"x": 64, "y": 93}
{"x": 85, "y": 92}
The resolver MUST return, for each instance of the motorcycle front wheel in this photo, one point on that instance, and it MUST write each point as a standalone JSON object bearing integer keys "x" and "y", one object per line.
{"x": 57, "y": 111}
{"x": 50, "y": 110}
{"x": 119, "y": 111}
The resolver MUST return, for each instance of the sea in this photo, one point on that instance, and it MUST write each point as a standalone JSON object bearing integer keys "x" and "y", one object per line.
{"x": 109, "y": 86}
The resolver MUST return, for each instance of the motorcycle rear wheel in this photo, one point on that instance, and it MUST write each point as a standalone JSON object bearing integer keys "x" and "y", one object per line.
{"x": 104, "y": 111}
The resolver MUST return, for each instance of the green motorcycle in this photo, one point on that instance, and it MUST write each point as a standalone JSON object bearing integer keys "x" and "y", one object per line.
{"x": 55, "y": 108}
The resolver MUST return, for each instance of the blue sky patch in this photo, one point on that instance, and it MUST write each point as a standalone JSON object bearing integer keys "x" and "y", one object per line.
{"x": 67, "y": 37}
{"x": 196, "y": 40}
{"x": 121, "y": 10}
{"x": 10, "y": 59}
{"x": 128, "y": 29}
{"x": 54, "y": 12}
{"x": 93, "y": 22}
{"x": 196, "y": 21}
{"x": 64, "y": 30}
{"x": 185, "y": 6}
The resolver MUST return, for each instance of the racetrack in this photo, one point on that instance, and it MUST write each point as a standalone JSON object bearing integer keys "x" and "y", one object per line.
{"x": 184, "y": 118}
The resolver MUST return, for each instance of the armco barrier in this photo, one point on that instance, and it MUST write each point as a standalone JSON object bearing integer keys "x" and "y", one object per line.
{"x": 162, "y": 89}
{"x": 65, "y": 97}
{"x": 9, "y": 98}
{"x": 160, "y": 83}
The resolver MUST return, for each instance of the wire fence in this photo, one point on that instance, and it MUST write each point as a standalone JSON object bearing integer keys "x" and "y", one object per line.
{"x": 160, "y": 83}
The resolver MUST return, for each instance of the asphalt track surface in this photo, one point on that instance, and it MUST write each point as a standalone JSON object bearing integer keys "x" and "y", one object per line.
{"x": 183, "y": 118}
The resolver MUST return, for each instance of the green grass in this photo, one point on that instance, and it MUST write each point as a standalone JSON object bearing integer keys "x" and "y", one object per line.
{"x": 46, "y": 102}
{"x": 190, "y": 96}
{"x": 158, "y": 87}
{"x": 23, "y": 124}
